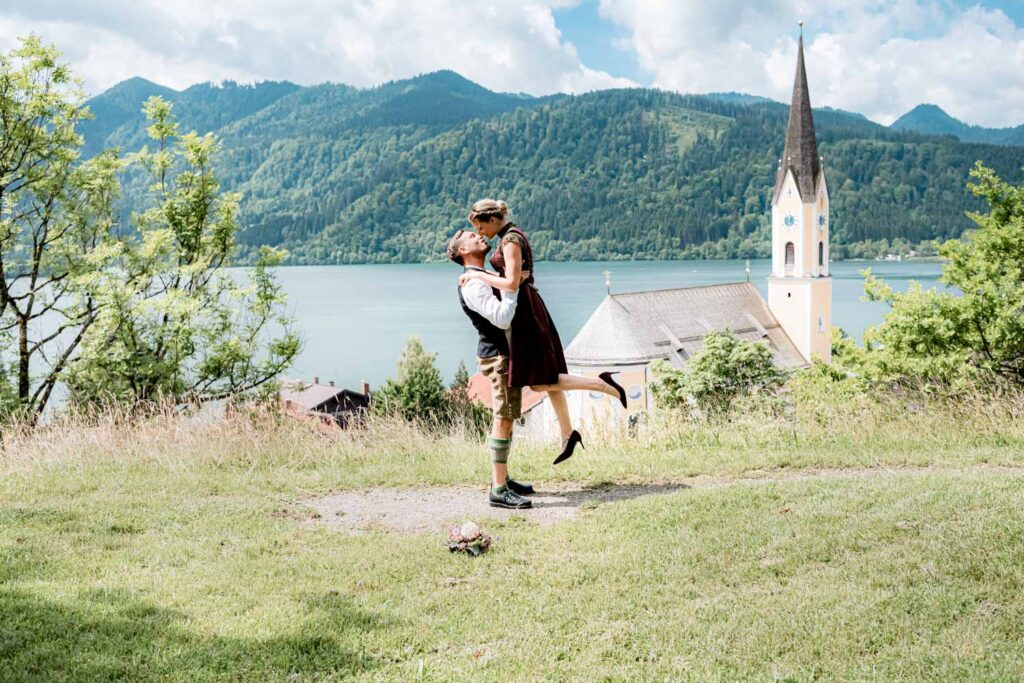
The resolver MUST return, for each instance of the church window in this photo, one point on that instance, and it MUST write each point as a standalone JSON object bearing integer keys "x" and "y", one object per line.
{"x": 790, "y": 257}
{"x": 821, "y": 325}
{"x": 821, "y": 253}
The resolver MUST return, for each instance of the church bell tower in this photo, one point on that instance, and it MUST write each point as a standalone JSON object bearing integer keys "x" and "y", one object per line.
{"x": 800, "y": 287}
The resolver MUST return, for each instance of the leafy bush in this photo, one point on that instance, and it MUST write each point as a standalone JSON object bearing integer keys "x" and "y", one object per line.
{"x": 947, "y": 339}
{"x": 418, "y": 392}
{"x": 465, "y": 412}
{"x": 724, "y": 369}
{"x": 825, "y": 394}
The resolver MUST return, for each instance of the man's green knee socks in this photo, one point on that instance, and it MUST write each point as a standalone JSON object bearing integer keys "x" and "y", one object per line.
{"x": 499, "y": 449}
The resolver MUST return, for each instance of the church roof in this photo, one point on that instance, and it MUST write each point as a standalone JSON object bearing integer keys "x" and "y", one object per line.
{"x": 670, "y": 324}
{"x": 801, "y": 153}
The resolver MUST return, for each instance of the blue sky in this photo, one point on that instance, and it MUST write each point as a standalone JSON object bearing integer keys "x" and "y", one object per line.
{"x": 876, "y": 57}
{"x": 1011, "y": 8}
{"x": 595, "y": 39}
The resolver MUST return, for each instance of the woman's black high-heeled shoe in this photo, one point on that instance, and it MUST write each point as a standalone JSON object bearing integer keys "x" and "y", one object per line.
{"x": 606, "y": 377}
{"x": 570, "y": 446}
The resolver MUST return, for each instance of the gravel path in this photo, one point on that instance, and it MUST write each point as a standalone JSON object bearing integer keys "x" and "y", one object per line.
{"x": 416, "y": 510}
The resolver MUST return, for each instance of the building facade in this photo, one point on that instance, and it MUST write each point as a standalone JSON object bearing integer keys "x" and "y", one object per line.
{"x": 800, "y": 287}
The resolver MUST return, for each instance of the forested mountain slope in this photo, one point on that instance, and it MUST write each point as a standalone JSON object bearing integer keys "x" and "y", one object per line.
{"x": 343, "y": 175}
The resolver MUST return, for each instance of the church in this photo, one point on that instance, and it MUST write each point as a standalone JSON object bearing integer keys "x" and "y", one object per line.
{"x": 629, "y": 331}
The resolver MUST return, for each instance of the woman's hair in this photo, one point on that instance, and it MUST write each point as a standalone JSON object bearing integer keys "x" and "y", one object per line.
{"x": 486, "y": 209}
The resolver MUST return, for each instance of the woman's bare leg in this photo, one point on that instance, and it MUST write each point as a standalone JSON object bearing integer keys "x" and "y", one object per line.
{"x": 578, "y": 383}
{"x": 556, "y": 392}
{"x": 561, "y": 407}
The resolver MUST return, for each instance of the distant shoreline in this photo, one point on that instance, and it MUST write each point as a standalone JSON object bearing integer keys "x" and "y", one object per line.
{"x": 914, "y": 259}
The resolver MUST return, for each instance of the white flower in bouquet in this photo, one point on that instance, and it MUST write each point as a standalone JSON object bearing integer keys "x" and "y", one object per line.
{"x": 468, "y": 538}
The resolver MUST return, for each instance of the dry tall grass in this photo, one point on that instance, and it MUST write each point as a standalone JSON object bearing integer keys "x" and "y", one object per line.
{"x": 806, "y": 427}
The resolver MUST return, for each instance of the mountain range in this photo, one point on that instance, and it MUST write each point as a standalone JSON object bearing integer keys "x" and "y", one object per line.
{"x": 931, "y": 119}
{"x": 339, "y": 174}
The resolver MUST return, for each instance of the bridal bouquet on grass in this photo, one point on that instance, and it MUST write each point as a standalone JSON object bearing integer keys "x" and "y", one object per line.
{"x": 468, "y": 539}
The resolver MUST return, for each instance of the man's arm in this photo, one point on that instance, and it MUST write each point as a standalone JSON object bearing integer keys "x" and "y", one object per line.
{"x": 480, "y": 298}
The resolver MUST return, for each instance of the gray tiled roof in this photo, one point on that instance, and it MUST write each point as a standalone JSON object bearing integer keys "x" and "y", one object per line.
{"x": 640, "y": 327}
{"x": 801, "y": 153}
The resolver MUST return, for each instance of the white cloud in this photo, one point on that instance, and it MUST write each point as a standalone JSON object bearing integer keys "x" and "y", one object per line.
{"x": 877, "y": 57}
{"x": 506, "y": 45}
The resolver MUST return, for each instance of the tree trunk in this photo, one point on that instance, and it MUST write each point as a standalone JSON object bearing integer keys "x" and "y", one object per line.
{"x": 23, "y": 361}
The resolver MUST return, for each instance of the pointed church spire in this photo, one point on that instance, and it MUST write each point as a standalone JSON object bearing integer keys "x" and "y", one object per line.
{"x": 801, "y": 153}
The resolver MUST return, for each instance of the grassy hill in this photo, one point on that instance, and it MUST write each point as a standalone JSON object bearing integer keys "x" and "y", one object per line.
{"x": 851, "y": 543}
{"x": 342, "y": 175}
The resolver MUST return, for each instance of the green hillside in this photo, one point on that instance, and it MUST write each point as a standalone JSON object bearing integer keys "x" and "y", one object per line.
{"x": 344, "y": 175}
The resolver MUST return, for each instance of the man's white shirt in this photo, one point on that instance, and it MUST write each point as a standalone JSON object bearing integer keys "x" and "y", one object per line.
{"x": 480, "y": 298}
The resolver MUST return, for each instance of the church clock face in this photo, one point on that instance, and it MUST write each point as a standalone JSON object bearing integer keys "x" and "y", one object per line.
{"x": 789, "y": 220}
{"x": 822, "y": 221}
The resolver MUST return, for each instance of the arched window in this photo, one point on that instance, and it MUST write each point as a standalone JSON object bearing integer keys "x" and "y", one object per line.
{"x": 821, "y": 253}
{"x": 790, "y": 257}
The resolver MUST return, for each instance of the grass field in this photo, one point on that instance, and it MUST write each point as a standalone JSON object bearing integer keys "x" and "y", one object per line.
{"x": 171, "y": 550}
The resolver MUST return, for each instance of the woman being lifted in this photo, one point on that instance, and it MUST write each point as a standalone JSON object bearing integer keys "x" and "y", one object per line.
{"x": 536, "y": 359}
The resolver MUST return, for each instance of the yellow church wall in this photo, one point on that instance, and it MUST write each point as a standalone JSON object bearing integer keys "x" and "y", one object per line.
{"x": 803, "y": 296}
{"x": 789, "y": 299}
{"x": 821, "y": 307}
{"x": 821, "y": 233}
{"x": 599, "y": 408}
{"x": 810, "y": 251}
{"x": 797, "y": 303}
{"x": 805, "y": 234}
{"x": 789, "y": 203}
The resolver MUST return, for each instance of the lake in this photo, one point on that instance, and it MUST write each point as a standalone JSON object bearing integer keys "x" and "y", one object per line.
{"x": 354, "y": 320}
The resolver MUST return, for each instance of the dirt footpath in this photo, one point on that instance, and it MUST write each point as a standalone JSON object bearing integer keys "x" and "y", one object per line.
{"x": 415, "y": 510}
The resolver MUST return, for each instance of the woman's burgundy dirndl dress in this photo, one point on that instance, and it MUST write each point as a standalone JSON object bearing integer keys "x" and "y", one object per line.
{"x": 535, "y": 351}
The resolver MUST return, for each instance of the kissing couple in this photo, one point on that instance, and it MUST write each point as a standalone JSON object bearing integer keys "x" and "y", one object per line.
{"x": 518, "y": 345}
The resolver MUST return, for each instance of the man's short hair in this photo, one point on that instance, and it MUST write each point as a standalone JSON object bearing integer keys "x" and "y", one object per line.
{"x": 454, "y": 244}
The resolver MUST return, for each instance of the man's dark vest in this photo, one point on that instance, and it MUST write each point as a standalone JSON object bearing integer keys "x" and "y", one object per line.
{"x": 492, "y": 339}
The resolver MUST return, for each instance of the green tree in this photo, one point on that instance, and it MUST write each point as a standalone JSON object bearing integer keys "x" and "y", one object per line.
{"x": 173, "y": 324}
{"x": 466, "y": 412}
{"x": 56, "y": 215}
{"x": 417, "y": 394}
{"x": 724, "y": 368}
{"x": 944, "y": 337}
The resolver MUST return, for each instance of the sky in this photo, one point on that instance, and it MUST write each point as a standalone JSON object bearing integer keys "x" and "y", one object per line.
{"x": 877, "y": 57}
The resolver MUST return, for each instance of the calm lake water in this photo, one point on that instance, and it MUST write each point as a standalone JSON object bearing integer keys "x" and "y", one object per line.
{"x": 354, "y": 320}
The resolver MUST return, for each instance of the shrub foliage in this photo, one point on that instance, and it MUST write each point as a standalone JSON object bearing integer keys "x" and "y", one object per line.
{"x": 724, "y": 369}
